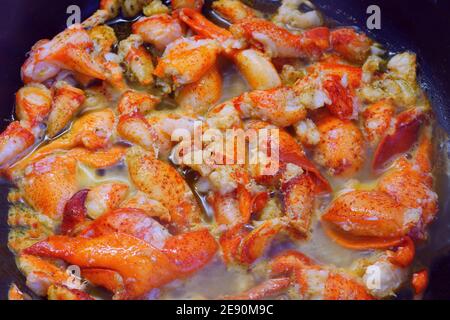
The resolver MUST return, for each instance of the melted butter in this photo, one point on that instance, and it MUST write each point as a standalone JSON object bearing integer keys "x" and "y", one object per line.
{"x": 233, "y": 84}
{"x": 321, "y": 248}
{"x": 88, "y": 177}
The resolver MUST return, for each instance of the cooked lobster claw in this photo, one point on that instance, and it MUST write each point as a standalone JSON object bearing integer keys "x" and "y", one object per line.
{"x": 135, "y": 128}
{"x": 255, "y": 244}
{"x": 292, "y": 152}
{"x": 111, "y": 254}
{"x": 230, "y": 241}
{"x": 401, "y": 204}
{"x": 67, "y": 101}
{"x": 203, "y": 26}
{"x": 49, "y": 183}
{"x": 159, "y": 30}
{"x": 33, "y": 103}
{"x": 141, "y": 266}
{"x": 41, "y": 274}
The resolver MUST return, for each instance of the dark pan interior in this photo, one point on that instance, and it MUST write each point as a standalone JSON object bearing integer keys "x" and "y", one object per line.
{"x": 422, "y": 26}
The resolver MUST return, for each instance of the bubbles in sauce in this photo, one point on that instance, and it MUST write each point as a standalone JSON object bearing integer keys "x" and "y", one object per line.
{"x": 214, "y": 281}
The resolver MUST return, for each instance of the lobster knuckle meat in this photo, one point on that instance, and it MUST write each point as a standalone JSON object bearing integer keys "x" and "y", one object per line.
{"x": 134, "y": 101}
{"x": 230, "y": 241}
{"x": 33, "y": 103}
{"x": 286, "y": 262}
{"x": 49, "y": 183}
{"x": 377, "y": 119}
{"x": 163, "y": 183}
{"x": 316, "y": 282}
{"x": 341, "y": 146}
{"x": 339, "y": 287}
{"x": 61, "y": 293}
{"x": 159, "y": 30}
{"x": 105, "y": 197}
{"x": 351, "y": 45}
{"x": 298, "y": 198}
{"x": 67, "y": 101}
